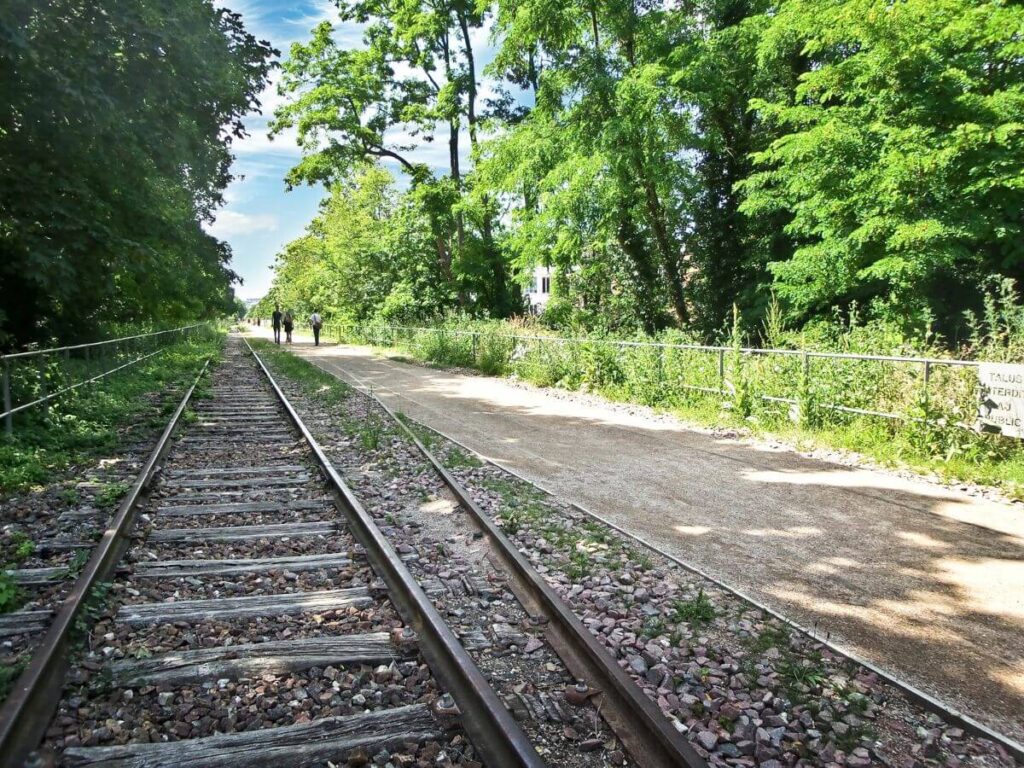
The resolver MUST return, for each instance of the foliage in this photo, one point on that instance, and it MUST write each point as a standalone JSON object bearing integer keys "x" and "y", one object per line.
{"x": 899, "y": 155}
{"x": 114, "y": 151}
{"x": 367, "y": 253}
{"x": 670, "y": 161}
{"x": 734, "y": 387}
{"x": 696, "y": 611}
{"x": 93, "y": 420}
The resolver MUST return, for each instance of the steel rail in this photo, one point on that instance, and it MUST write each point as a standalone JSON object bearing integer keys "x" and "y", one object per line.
{"x": 648, "y": 735}
{"x": 926, "y": 700}
{"x": 26, "y": 712}
{"x": 490, "y": 726}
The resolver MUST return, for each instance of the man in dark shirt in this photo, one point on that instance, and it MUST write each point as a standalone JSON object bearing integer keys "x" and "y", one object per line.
{"x": 276, "y": 318}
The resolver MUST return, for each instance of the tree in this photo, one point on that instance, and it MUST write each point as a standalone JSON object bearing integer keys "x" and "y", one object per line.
{"x": 114, "y": 150}
{"x": 900, "y": 153}
{"x": 367, "y": 254}
{"x": 603, "y": 104}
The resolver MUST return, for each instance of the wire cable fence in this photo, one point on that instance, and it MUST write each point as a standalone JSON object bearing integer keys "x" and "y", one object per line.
{"x": 37, "y": 377}
{"x": 810, "y": 386}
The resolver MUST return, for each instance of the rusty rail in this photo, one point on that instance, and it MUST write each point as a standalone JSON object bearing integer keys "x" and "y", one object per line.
{"x": 490, "y": 725}
{"x": 26, "y": 712}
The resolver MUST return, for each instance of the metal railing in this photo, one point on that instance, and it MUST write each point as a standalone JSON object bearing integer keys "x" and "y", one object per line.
{"x": 34, "y": 374}
{"x": 801, "y": 379}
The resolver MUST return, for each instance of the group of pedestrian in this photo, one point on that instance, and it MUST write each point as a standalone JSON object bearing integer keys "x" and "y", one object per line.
{"x": 285, "y": 319}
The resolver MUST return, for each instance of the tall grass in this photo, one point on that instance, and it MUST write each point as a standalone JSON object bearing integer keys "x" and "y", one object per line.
{"x": 774, "y": 387}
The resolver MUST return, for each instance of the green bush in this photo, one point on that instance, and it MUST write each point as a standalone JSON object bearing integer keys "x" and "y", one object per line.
{"x": 781, "y": 387}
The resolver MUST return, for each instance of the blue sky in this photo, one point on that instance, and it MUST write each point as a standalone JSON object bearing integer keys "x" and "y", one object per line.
{"x": 260, "y": 216}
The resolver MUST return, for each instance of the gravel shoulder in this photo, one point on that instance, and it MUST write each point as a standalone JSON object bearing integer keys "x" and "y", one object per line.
{"x": 925, "y": 581}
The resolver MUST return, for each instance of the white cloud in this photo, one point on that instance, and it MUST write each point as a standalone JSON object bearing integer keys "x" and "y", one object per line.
{"x": 234, "y": 223}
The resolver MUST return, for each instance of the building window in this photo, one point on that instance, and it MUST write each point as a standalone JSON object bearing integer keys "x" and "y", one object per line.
{"x": 545, "y": 285}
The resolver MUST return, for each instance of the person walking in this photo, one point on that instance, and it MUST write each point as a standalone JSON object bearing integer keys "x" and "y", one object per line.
{"x": 316, "y": 323}
{"x": 276, "y": 319}
{"x": 289, "y": 323}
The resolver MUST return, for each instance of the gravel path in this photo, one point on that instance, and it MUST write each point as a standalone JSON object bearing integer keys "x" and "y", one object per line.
{"x": 925, "y": 581}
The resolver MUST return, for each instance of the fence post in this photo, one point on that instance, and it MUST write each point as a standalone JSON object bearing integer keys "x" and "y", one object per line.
{"x": 8, "y": 419}
{"x": 721, "y": 371}
{"x": 42, "y": 387}
{"x": 804, "y": 397}
{"x": 473, "y": 337}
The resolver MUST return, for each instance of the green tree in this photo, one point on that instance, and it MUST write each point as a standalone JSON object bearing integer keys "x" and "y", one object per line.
{"x": 114, "y": 150}
{"x": 900, "y": 154}
{"x": 608, "y": 127}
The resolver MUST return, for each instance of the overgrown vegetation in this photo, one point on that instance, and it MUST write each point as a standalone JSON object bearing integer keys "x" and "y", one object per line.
{"x": 667, "y": 161}
{"x": 114, "y": 152}
{"x": 15, "y": 548}
{"x": 731, "y": 388}
{"x": 93, "y": 420}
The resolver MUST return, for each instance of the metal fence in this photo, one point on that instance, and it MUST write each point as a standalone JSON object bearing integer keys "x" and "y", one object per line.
{"x": 883, "y": 386}
{"x": 37, "y": 377}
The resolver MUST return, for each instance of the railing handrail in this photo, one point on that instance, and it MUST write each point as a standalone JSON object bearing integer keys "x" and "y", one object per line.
{"x": 89, "y": 345}
{"x": 693, "y": 347}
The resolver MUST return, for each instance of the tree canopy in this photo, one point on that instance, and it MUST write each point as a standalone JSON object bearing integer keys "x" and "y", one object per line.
{"x": 859, "y": 157}
{"x": 114, "y": 151}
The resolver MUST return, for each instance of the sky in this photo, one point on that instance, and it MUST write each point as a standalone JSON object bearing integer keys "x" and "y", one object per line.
{"x": 260, "y": 216}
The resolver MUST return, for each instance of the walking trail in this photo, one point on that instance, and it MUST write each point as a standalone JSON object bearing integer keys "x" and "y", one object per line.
{"x": 923, "y": 581}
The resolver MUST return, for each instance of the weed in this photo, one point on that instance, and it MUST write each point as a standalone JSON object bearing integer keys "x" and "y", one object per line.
{"x": 771, "y": 637}
{"x": 91, "y": 421}
{"x": 457, "y": 458}
{"x": 369, "y": 435}
{"x": 579, "y": 565}
{"x": 653, "y": 376}
{"x": 69, "y": 496}
{"x": 511, "y": 521}
{"x": 89, "y": 613}
{"x": 10, "y": 672}
{"x": 654, "y": 626}
{"x": 19, "y": 547}
{"x": 696, "y": 611}
{"x": 807, "y": 672}
{"x": 11, "y": 595}
{"x": 81, "y": 557}
{"x": 110, "y": 494}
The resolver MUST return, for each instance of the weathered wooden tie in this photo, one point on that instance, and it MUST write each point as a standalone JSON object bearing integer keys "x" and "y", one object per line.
{"x": 241, "y": 471}
{"x": 256, "y": 659}
{"x": 37, "y": 576}
{"x": 246, "y": 607}
{"x": 182, "y": 568}
{"x": 233, "y": 508}
{"x": 24, "y": 622}
{"x": 291, "y": 746}
{"x": 243, "y": 532}
{"x": 241, "y": 482}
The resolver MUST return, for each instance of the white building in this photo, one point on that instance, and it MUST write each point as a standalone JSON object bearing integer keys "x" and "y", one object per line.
{"x": 539, "y": 290}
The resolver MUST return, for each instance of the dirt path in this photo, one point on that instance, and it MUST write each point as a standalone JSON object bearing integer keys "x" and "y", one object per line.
{"x": 925, "y": 582}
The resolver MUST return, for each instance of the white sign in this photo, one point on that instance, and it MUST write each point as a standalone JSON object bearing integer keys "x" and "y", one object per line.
{"x": 1002, "y": 398}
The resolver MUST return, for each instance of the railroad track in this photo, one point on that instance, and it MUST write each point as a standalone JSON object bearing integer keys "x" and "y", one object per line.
{"x": 243, "y": 623}
{"x": 249, "y": 623}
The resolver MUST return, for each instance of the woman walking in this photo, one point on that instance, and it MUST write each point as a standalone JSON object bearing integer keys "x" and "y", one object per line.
{"x": 289, "y": 323}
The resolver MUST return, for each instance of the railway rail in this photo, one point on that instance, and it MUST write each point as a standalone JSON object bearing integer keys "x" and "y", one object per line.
{"x": 233, "y": 584}
{"x": 227, "y": 579}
